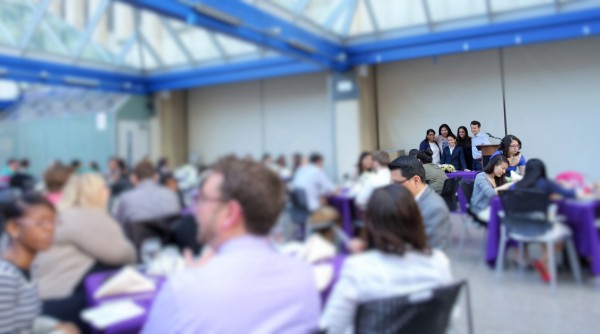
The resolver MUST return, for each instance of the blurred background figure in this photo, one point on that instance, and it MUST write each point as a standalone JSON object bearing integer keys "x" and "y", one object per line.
{"x": 87, "y": 240}
{"x": 55, "y": 178}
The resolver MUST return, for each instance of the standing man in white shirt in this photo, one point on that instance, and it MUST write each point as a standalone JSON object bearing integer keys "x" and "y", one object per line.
{"x": 381, "y": 177}
{"x": 478, "y": 138}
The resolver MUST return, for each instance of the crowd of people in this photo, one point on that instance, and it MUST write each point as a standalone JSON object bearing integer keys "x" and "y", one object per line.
{"x": 80, "y": 222}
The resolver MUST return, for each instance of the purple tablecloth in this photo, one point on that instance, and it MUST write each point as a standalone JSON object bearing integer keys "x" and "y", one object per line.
{"x": 466, "y": 176}
{"x": 133, "y": 325}
{"x": 580, "y": 217}
{"x": 345, "y": 205}
{"x": 145, "y": 300}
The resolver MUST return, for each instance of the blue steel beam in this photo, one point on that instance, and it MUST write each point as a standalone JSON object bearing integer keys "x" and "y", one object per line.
{"x": 254, "y": 26}
{"x": 36, "y": 71}
{"x": 543, "y": 29}
{"x": 254, "y": 70}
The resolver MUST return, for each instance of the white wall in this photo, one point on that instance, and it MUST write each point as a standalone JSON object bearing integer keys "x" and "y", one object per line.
{"x": 417, "y": 95}
{"x": 553, "y": 103}
{"x": 276, "y": 116}
{"x": 552, "y": 99}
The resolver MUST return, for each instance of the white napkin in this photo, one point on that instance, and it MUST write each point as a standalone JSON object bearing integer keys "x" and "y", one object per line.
{"x": 514, "y": 176}
{"x": 318, "y": 248}
{"x": 127, "y": 280}
{"x": 111, "y": 313}
{"x": 323, "y": 275}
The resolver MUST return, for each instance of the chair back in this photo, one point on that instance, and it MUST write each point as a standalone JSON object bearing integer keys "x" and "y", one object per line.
{"x": 449, "y": 192}
{"x": 526, "y": 211}
{"x": 424, "y": 312}
{"x": 299, "y": 211}
{"x": 467, "y": 189}
{"x": 159, "y": 228}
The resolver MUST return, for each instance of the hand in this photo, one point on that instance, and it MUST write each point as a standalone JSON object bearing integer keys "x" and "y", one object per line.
{"x": 356, "y": 246}
{"x": 191, "y": 262}
{"x": 66, "y": 328}
{"x": 467, "y": 170}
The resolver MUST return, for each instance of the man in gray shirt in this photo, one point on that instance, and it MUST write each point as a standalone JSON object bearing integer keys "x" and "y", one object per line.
{"x": 409, "y": 172}
{"x": 148, "y": 200}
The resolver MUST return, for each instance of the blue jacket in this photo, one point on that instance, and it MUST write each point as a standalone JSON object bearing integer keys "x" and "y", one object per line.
{"x": 457, "y": 159}
{"x": 425, "y": 145}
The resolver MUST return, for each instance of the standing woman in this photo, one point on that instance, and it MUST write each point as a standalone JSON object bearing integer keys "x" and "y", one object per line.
{"x": 454, "y": 155}
{"x": 510, "y": 147}
{"x": 429, "y": 143}
{"x": 29, "y": 223}
{"x": 464, "y": 141}
{"x": 487, "y": 185}
{"x": 442, "y": 138}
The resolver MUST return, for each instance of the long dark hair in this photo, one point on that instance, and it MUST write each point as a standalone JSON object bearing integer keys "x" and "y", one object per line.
{"x": 463, "y": 142}
{"x": 428, "y": 132}
{"x": 447, "y": 128}
{"x": 360, "y": 159}
{"x": 535, "y": 170}
{"x": 506, "y": 142}
{"x": 394, "y": 222}
{"x": 489, "y": 168}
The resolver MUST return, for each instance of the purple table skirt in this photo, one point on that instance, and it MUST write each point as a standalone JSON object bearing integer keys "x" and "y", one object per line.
{"x": 580, "y": 217}
{"x": 345, "y": 205}
{"x": 133, "y": 325}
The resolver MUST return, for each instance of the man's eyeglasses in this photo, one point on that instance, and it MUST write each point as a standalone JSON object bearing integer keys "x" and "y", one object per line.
{"x": 401, "y": 182}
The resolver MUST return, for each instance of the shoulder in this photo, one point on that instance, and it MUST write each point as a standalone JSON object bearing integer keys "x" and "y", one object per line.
{"x": 10, "y": 276}
{"x": 498, "y": 152}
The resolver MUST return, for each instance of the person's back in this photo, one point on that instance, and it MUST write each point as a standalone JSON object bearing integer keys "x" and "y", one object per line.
{"x": 435, "y": 177}
{"x": 247, "y": 288}
{"x": 313, "y": 180}
{"x": 436, "y": 218}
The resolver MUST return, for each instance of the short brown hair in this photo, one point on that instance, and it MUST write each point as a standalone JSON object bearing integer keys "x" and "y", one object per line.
{"x": 394, "y": 220}
{"x": 382, "y": 157}
{"x": 144, "y": 170}
{"x": 259, "y": 191}
{"x": 56, "y": 176}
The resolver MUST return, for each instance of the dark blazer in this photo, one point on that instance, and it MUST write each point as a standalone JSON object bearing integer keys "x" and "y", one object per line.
{"x": 457, "y": 159}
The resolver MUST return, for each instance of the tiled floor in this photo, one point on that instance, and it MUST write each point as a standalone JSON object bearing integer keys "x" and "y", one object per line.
{"x": 519, "y": 302}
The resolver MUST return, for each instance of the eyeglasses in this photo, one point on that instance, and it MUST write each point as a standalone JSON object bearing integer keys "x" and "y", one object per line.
{"x": 515, "y": 146}
{"x": 401, "y": 182}
{"x": 45, "y": 223}
{"x": 201, "y": 198}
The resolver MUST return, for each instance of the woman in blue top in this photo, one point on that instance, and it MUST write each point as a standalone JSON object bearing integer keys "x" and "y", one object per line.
{"x": 429, "y": 142}
{"x": 510, "y": 147}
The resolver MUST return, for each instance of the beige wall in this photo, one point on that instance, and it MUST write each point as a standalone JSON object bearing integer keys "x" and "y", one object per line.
{"x": 172, "y": 115}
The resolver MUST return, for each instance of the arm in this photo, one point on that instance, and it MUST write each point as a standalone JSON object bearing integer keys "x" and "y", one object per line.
{"x": 423, "y": 146}
{"x": 522, "y": 163}
{"x": 93, "y": 237}
{"x": 326, "y": 186}
{"x": 461, "y": 158}
{"x": 163, "y": 315}
{"x": 446, "y": 158}
{"x": 341, "y": 308}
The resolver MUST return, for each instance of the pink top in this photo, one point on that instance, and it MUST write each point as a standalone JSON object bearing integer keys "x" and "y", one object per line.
{"x": 54, "y": 198}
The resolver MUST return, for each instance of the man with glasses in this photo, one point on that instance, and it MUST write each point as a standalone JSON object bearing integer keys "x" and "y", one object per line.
{"x": 247, "y": 286}
{"x": 409, "y": 172}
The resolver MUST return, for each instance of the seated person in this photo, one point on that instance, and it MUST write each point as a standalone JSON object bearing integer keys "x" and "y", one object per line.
{"x": 246, "y": 286}
{"x": 87, "y": 237}
{"x": 55, "y": 178}
{"x": 510, "y": 148}
{"x": 29, "y": 223}
{"x": 381, "y": 177}
{"x": 454, "y": 155}
{"x": 434, "y": 175}
{"x": 535, "y": 179}
{"x": 148, "y": 200}
{"x": 409, "y": 172}
{"x": 397, "y": 263}
{"x": 364, "y": 169}
{"x": 487, "y": 185}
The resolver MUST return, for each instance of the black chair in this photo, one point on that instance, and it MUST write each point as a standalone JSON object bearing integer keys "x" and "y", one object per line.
{"x": 159, "y": 228}
{"x": 449, "y": 192}
{"x": 184, "y": 234}
{"x": 423, "y": 312}
{"x": 525, "y": 220}
{"x": 467, "y": 189}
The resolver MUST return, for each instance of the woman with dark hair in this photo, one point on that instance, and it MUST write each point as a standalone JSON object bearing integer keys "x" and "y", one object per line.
{"x": 454, "y": 155}
{"x": 364, "y": 169}
{"x": 535, "y": 179}
{"x": 29, "y": 223}
{"x": 442, "y": 138}
{"x": 510, "y": 147}
{"x": 397, "y": 262}
{"x": 464, "y": 141}
{"x": 365, "y": 163}
{"x": 434, "y": 175}
{"x": 429, "y": 143}
{"x": 487, "y": 184}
